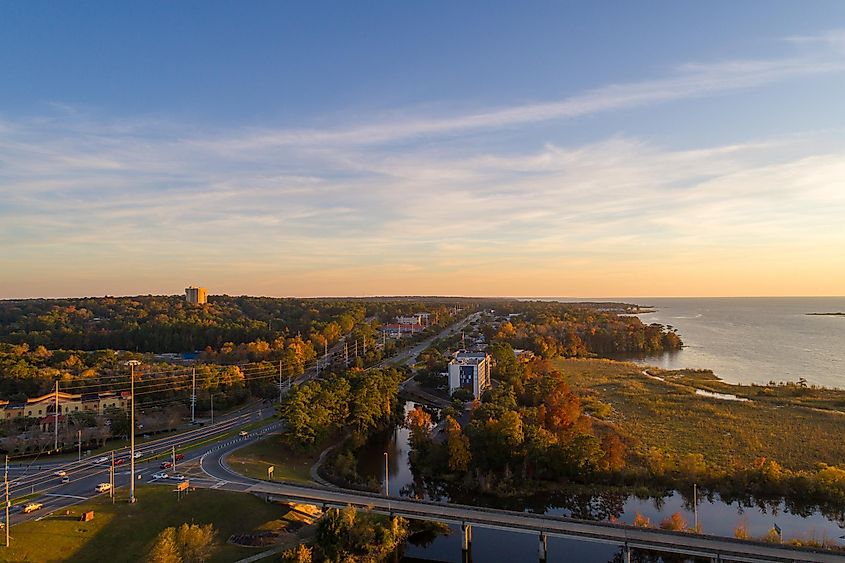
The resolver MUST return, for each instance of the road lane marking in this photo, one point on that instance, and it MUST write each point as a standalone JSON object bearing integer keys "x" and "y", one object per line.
{"x": 65, "y": 496}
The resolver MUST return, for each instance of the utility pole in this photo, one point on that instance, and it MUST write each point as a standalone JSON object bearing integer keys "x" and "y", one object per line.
{"x": 345, "y": 354}
{"x": 111, "y": 478}
{"x": 212, "y": 408}
{"x": 386, "y": 484}
{"x": 56, "y": 416}
{"x": 132, "y": 364}
{"x": 193, "y": 392}
{"x": 695, "y": 504}
{"x": 6, "y": 479}
{"x": 79, "y": 443}
{"x": 280, "y": 381}
{"x": 173, "y": 455}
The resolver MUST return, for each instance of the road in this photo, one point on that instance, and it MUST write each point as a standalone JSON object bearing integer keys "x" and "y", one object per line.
{"x": 84, "y": 475}
{"x": 718, "y": 548}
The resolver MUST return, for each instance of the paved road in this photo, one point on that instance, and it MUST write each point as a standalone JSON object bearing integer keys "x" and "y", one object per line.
{"x": 218, "y": 472}
{"x": 85, "y": 475}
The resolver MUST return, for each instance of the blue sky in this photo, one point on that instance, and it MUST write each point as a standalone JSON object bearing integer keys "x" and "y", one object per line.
{"x": 475, "y": 148}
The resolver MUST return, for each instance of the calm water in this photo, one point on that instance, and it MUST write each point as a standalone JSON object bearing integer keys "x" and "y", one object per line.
{"x": 715, "y": 515}
{"x": 756, "y": 340}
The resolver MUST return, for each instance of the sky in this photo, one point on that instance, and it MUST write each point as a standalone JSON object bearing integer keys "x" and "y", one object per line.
{"x": 579, "y": 149}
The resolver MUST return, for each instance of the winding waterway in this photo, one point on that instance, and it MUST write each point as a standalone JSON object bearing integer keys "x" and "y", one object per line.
{"x": 716, "y": 516}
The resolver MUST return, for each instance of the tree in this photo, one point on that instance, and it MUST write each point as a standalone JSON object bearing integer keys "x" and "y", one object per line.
{"x": 299, "y": 554}
{"x": 196, "y": 542}
{"x": 418, "y": 421}
{"x": 675, "y": 522}
{"x": 614, "y": 453}
{"x": 457, "y": 445}
{"x": 165, "y": 549}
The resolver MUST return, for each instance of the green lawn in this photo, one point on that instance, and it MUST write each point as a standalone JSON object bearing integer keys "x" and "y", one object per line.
{"x": 124, "y": 532}
{"x": 797, "y": 431}
{"x": 289, "y": 465}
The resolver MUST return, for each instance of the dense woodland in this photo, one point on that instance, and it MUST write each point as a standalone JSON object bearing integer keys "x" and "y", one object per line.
{"x": 159, "y": 324}
{"x": 551, "y": 329}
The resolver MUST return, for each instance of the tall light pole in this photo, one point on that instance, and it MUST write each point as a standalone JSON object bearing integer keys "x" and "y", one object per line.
{"x": 132, "y": 364}
{"x": 386, "y": 484}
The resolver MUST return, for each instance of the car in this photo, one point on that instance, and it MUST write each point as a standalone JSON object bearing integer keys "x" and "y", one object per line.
{"x": 165, "y": 465}
{"x": 243, "y": 433}
{"x": 180, "y": 456}
{"x": 103, "y": 487}
{"x": 177, "y": 477}
{"x": 138, "y": 454}
{"x": 160, "y": 475}
{"x": 32, "y": 507}
{"x": 120, "y": 461}
{"x": 65, "y": 479}
{"x": 103, "y": 459}
{"x": 60, "y": 473}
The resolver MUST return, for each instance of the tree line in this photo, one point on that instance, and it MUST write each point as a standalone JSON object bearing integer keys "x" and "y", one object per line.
{"x": 551, "y": 329}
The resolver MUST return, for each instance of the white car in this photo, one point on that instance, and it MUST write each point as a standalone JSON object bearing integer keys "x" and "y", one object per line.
{"x": 60, "y": 473}
{"x": 243, "y": 433}
{"x": 177, "y": 477}
{"x": 103, "y": 459}
{"x": 160, "y": 475}
{"x": 138, "y": 454}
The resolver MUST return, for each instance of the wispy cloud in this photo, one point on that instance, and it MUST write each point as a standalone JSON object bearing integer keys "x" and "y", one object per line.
{"x": 78, "y": 193}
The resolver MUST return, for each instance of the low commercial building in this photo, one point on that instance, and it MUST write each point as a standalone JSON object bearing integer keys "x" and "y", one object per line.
{"x": 398, "y": 330}
{"x": 470, "y": 371}
{"x": 45, "y": 405}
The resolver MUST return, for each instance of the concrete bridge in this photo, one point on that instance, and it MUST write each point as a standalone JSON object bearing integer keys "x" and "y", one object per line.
{"x": 717, "y": 549}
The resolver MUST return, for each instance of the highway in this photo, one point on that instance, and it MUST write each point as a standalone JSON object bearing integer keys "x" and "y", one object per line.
{"x": 86, "y": 474}
{"x": 41, "y": 481}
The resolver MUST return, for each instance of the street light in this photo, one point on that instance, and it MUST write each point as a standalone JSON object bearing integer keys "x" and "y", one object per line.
{"x": 132, "y": 364}
{"x": 386, "y": 484}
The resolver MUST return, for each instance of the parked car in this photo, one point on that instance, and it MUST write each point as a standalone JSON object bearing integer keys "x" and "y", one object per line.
{"x": 32, "y": 507}
{"x": 103, "y": 487}
{"x": 160, "y": 475}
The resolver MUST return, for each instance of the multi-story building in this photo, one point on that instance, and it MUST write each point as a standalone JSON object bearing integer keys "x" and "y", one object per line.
{"x": 196, "y": 295}
{"x": 470, "y": 371}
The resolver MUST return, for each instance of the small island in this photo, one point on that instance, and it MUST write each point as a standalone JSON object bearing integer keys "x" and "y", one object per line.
{"x": 839, "y": 314}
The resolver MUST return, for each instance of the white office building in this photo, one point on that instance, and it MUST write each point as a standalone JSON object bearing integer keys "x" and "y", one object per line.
{"x": 470, "y": 371}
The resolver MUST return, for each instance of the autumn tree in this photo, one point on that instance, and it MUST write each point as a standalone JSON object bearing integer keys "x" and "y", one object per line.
{"x": 457, "y": 445}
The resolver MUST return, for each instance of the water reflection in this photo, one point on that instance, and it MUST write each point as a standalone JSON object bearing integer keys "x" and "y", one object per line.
{"x": 717, "y": 515}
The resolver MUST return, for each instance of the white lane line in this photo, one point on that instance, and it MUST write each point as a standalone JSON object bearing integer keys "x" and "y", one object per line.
{"x": 65, "y": 496}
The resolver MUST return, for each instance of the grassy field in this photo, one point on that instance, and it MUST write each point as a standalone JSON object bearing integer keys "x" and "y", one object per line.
{"x": 124, "y": 532}
{"x": 289, "y": 465}
{"x": 798, "y": 427}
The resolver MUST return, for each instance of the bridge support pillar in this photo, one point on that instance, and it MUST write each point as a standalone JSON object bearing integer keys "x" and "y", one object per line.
{"x": 626, "y": 554}
{"x": 543, "y": 548}
{"x": 466, "y": 543}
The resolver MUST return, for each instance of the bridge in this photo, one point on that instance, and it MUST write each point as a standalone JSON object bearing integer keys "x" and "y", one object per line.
{"x": 717, "y": 549}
